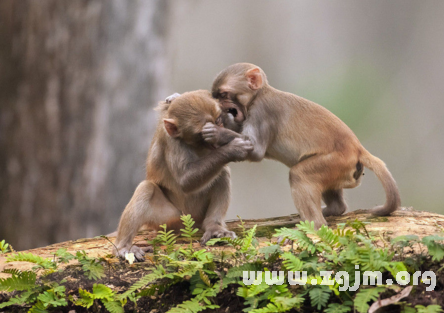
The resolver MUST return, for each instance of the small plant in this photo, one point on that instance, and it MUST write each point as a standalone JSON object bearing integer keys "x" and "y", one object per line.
{"x": 4, "y": 247}
{"x": 92, "y": 267}
{"x": 210, "y": 272}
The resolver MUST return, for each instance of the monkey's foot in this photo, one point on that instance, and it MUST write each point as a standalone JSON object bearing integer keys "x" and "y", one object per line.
{"x": 218, "y": 233}
{"x": 334, "y": 210}
{"x": 138, "y": 252}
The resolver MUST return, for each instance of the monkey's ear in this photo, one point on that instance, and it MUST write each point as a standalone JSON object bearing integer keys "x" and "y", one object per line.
{"x": 254, "y": 78}
{"x": 171, "y": 127}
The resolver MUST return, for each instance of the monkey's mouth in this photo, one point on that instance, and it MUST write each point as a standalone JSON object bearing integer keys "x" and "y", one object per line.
{"x": 232, "y": 111}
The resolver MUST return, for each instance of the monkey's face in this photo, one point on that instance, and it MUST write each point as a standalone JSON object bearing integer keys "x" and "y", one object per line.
{"x": 190, "y": 112}
{"x": 229, "y": 103}
{"x": 236, "y": 87}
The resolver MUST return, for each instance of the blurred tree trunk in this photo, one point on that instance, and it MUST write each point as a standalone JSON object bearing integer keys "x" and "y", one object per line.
{"x": 78, "y": 81}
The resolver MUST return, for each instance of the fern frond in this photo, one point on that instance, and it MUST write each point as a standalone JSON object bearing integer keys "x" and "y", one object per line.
{"x": 434, "y": 308}
{"x": 298, "y": 237}
{"x": 22, "y": 281}
{"x": 248, "y": 240}
{"x": 319, "y": 296}
{"x": 307, "y": 227}
{"x": 168, "y": 239}
{"x": 32, "y": 258}
{"x": 366, "y": 295}
{"x": 158, "y": 273}
{"x": 113, "y": 306}
{"x": 291, "y": 262}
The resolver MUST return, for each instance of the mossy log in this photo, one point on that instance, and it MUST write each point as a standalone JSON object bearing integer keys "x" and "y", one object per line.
{"x": 402, "y": 222}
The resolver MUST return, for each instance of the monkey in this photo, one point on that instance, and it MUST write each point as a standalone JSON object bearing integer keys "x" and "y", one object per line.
{"x": 322, "y": 152}
{"x": 184, "y": 173}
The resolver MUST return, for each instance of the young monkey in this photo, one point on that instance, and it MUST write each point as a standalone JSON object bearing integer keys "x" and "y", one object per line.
{"x": 184, "y": 175}
{"x": 323, "y": 154}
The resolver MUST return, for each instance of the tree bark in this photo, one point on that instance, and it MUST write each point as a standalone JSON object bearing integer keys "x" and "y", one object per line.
{"x": 79, "y": 80}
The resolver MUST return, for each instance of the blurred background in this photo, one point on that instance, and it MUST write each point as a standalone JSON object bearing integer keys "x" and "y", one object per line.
{"x": 79, "y": 80}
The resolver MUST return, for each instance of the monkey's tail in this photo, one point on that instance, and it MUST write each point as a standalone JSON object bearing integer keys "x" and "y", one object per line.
{"x": 393, "y": 200}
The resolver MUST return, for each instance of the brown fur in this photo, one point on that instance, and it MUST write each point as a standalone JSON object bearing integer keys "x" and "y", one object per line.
{"x": 185, "y": 175}
{"x": 323, "y": 154}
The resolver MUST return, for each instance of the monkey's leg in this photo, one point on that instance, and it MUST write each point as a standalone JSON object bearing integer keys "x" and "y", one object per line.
{"x": 306, "y": 189}
{"x": 147, "y": 206}
{"x": 334, "y": 199}
{"x": 214, "y": 221}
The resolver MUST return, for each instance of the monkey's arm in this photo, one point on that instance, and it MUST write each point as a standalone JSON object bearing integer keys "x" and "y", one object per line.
{"x": 260, "y": 136}
{"x": 192, "y": 176}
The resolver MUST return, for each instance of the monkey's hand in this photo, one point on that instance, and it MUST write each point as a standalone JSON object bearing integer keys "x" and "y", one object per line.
{"x": 138, "y": 252}
{"x": 238, "y": 149}
{"x": 210, "y": 133}
{"x": 216, "y": 232}
{"x": 172, "y": 97}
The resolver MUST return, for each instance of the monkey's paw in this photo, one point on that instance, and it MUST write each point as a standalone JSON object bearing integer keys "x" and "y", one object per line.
{"x": 210, "y": 133}
{"x": 172, "y": 97}
{"x": 138, "y": 252}
{"x": 240, "y": 149}
{"x": 219, "y": 233}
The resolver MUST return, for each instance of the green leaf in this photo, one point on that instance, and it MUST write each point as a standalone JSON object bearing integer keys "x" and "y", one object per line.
{"x": 337, "y": 308}
{"x": 364, "y": 296}
{"x": 4, "y": 247}
{"x": 436, "y": 249}
{"x": 428, "y": 309}
{"x": 319, "y": 297}
{"x": 298, "y": 237}
{"x": 23, "y": 281}
{"x": 270, "y": 250}
{"x": 291, "y": 262}
{"x": 32, "y": 258}
{"x": 102, "y": 292}
{"x": 113, "y": 306}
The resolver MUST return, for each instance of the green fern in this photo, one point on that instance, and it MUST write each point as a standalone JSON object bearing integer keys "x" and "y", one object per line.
{"x": 435, "y": 249}
{"x": 168, "y": 239}
{"x": 237, "y": 271}
{"x": 19, "y": 281}
{"x": 104, "y": 294}
{"x": 188, "y": 232}
{"x": 199, "y": 303}
{"x": 270, "y": 250}
{"x": 291, "y": 262}
{"x": 307, "y": 227}
{"x": 319, "y": 296}
{"x": 281, "y": 304}
{"x": 54, "y": 297}
{"x": 247, "y": 242}
{"x": 32, "y": 258}
{"x": 364, "y": 296}
{"x": 92, "y": 267}
{"x": 64, "y": 256}
{"x": 242, "y": 227}
{"x": 428, "y": 309}
{"x": 158, "y": 273}
{"x": 298, "y": 237}
{"x": 338, "y": 307}
{"x": 113, "y": 306}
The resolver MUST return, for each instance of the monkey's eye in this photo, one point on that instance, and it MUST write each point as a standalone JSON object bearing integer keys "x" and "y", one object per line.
{"x": 224, "y": 95}
{"x": 219, "y": 121}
